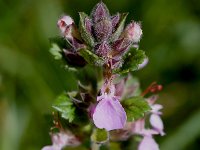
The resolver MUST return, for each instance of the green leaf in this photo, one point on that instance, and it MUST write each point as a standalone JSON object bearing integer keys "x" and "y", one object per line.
{"x": 132, "y": 60}
{"x": 86, "y": 36}
{"x": 55, "y": 51}
{"x": 65, "y": 106}
{"x": 135, "y": 107}
{"x": 99, "y": 136}
{"x": 91, "y": 58}
{"x": 120, "y": 27}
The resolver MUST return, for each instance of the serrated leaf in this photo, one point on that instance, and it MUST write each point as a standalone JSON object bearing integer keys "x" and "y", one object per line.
{"x": 91, "y": 58}
{"x": 120, "y": 27}
{"x": 135, "y": 107}
{"x": 132, "y": 60}
{"x": 99, "y": 136}
{"x": 86, "y": 36}
{"x": 65, "y": 106}
{"x": 55, "y": 51}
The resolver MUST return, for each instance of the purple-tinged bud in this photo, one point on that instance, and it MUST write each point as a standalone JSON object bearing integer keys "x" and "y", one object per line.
{"x": 88, "y": 25}
{"x": 120, "y": 46}
{"x": 115, "y": 21}
{"x": 100, "y": 12}
{"x": 74, "y": 59}
{"x": 103, "y": 29}
{"x": 77, "y": 44}
{"x": 133, "y": 32}
{"x": 102, "y": 49}
{"x": 65, "y": 25}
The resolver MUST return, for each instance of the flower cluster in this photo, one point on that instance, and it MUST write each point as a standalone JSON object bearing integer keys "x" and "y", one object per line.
{"x": 102, "y": 33}
{"x": 61, "y": 140}
{"x": 109, "y": 102}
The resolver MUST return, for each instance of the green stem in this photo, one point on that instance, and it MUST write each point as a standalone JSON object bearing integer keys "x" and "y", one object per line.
{"x": 95, "y": 146}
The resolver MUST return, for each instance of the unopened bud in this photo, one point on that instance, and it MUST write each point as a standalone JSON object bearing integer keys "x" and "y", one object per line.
{"x": 88, "y": 25}
{"x": 115, "y": 20}
{"x": 74, "y": 59}
{"x": 100, "y": 12}
{"x": 133, "y": 32}
{"x": 120, "y": 46}
{"x": 103, "y": 29}
{"x": 102, "y": 49}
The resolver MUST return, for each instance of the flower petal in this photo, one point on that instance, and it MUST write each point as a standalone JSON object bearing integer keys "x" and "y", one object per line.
{"x": 148, "y": 143}
{"x": 156, "y": 108}
{"x": 109, "y": 114}
{"x": 157, "y": 123}
{"x": 138, "y": 126}
{"x": 51, "y": 147}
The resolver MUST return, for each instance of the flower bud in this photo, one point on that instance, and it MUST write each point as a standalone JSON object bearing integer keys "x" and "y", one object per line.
{"x": 120, "y": 46}
{"x": 65, "y": 25}
{"x": 103, "y": 29}
{"x": 115, "y": 21}
{"x": 100, "y": 12}
{"x": 133, "y": 32}
{"x": 74, "y": 59}
{"x": 88, "y": 25}
{"x": 102, "y": 49}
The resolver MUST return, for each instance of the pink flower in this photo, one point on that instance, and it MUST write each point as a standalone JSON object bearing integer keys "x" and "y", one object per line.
{"x": 60, "y": 140}
{"x": 148, "y": 143}
{"x": 109, "y": 113}
{"x": 138, "y": 126}
{"x": 155, "y": 119}
{"x": 65, "y": 24}
{"x": 133, "y": 32}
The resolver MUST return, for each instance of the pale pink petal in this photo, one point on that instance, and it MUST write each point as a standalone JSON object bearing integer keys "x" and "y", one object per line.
{"x": 143, "y": 64}
{"x": 133, "y": 32}
{"x": 119, "y": 88}
{"x": 109, "y": 114}
{"x": 51, "y": 147}
{"x": 157, "y": 123}
{"x": 148, "y": 143}
{"x": 149, "y": 132}
{"x": 138, "y": 126}
{"x": 156, "y": 108}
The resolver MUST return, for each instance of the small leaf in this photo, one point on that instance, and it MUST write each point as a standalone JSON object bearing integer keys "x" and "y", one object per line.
{"x": 55, "y": 51}
{"x": 91, "y": 58}
{"x": 99, "y": 136}
{"x": 120, "y": 27}
{"x": 135, "y": 107}
{"x": 86, "y": 36}
{"x": 65, "y": 106}
{"x": 131, "y": 60}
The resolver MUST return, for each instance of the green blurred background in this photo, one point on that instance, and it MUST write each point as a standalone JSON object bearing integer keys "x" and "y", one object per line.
{"x": 30, "y": 78}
